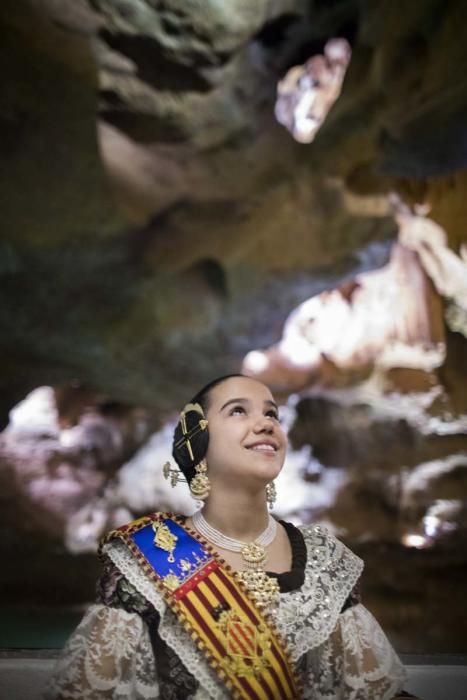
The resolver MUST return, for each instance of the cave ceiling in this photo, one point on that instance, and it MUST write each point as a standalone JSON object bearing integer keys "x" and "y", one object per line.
{"x": 153, "y": 208}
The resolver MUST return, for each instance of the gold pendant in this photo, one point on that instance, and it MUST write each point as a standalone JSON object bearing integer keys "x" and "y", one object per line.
{"x": 165, "y": 539}
{"x": 254, "y": 554}
{"x": 262, "y": 589}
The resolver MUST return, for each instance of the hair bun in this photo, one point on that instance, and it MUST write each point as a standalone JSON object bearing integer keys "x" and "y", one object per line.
{"x": 191, "y": 439}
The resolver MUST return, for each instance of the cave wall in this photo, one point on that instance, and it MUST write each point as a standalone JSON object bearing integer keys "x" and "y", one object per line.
{"x": 151, "y": 194}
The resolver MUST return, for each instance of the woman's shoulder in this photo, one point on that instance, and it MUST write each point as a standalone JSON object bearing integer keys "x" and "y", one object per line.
{"x": 326, "y": 550}
{"x": 115, "y": 590}
{"x": 311, "y": 530}
{"x": 122, "y": 532}
{"x": 317, "y": 532}
{"x": 123, "y": 583}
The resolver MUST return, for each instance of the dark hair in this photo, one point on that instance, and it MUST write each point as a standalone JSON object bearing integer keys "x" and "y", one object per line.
{"x": 200, "y": 439}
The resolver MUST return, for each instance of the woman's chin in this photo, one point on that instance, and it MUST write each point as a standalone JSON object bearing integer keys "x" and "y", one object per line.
{"x": 269, "y": 471}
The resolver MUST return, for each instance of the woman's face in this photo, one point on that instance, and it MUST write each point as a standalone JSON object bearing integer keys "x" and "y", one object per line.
{"x": 245, "y": 437}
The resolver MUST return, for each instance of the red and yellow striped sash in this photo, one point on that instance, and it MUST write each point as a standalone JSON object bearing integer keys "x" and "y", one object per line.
{"x": 214, "y": 608}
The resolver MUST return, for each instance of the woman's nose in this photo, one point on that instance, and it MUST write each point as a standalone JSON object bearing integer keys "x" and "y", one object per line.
{"x": 264, "y": 424}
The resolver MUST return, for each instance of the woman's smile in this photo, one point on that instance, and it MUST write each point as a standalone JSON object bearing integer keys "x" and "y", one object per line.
{"x": 268, "y": 447}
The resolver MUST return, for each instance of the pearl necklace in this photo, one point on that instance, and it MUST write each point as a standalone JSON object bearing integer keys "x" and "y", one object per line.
{"x": 229, "y": 543}
{"x": 262, "y": 589}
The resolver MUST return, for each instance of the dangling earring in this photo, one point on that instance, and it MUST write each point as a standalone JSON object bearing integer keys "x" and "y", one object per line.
{"x": 271, "y": 494}
{"x": 200, "y": 485}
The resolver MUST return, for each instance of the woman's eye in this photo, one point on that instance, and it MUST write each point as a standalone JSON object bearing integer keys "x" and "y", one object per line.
{"x": 273, "y": 414}
{"x": 236, "y": 410}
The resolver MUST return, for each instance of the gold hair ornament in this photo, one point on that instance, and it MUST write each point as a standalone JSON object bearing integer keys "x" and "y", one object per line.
{"x": 189, "y": 434}
{"x": 175, "y": 475}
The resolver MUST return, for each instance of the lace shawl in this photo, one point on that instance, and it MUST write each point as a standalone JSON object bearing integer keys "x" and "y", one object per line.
{"x": 108, "y": 656}
{"x": 343, "y": 656}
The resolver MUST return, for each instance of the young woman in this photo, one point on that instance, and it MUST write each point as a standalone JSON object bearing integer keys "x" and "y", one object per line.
{"x": 229, "y": 603}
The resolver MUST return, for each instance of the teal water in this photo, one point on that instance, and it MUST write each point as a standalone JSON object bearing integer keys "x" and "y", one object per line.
{"x": 36, "y": 628}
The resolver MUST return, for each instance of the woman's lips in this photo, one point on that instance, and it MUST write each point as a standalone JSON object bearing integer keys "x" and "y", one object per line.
{"x": 265, "y": 447}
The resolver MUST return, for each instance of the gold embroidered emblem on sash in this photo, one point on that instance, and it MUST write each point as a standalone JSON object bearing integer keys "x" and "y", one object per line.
{"x": 247, "y": 644}
{"x": 172, "y": 582}
{"x": 165, "y": 539}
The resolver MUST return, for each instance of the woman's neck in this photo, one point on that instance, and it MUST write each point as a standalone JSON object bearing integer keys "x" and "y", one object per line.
{"x": 240, "y": 515}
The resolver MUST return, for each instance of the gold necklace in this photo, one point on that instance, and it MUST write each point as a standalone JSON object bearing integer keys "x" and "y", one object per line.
{"x": 261, "y": 588}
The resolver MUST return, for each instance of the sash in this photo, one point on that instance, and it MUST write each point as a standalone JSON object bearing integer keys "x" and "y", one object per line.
{"x": 237, "y": 641}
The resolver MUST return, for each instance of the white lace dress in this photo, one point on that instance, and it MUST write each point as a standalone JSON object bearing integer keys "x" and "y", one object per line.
{"x": 128, "y": 654}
